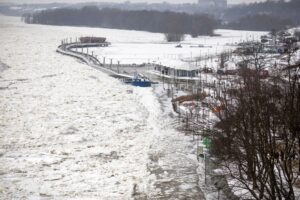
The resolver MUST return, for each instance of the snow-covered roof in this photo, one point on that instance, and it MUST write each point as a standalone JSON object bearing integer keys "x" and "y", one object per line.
{"x": 229, "y": 65}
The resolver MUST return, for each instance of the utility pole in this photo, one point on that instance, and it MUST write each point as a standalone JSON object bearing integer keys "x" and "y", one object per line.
{"x": 205, "y": 181}
{"x": 163, "y": 77}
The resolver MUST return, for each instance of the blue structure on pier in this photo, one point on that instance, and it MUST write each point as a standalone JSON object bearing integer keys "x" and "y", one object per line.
{"x": 140, "y": 81}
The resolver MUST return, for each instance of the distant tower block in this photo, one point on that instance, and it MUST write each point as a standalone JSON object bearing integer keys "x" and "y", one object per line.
{"x": 213, "y": 3}
{"x": 221, "y": 3}
{"x": 206, "y": 3}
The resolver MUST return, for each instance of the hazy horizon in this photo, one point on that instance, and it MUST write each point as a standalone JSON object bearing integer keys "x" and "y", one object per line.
{"x": 118, "y": 1}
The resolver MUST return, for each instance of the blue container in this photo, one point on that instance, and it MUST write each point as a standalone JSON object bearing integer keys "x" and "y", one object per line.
{"x": 141, "y": 83}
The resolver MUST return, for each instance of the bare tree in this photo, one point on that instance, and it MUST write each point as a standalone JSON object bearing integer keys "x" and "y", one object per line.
{"x": 174, "y": 37}
{"x": 260, "y": 127}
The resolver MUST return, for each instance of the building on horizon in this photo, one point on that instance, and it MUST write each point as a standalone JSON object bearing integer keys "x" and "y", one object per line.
{"x": 213, "y": 3}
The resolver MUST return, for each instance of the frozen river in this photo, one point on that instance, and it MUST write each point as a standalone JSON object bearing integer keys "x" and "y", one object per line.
{"x": 70, "y": 131}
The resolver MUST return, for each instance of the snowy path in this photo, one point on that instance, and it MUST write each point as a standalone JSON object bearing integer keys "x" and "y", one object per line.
{"x": 172, "y": 158}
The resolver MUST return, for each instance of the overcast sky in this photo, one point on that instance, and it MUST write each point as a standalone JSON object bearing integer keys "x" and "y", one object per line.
{"x": 149, "y": 1}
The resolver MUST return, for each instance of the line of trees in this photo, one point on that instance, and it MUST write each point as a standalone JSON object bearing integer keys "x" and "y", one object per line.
{"x": 153, "y": 21}
{"x": 281, "y": 9}
{"x": 264, "y": 15}
{"x": 261, "y": 22}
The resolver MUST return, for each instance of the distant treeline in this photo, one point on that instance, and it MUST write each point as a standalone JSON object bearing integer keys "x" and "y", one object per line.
{"x": 153, "y": 21}
{"x": 260, "y": 22}
{"x": 264, "y": 16}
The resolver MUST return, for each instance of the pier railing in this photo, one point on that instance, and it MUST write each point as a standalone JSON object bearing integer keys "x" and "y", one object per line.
{"x": 91, "y": 60}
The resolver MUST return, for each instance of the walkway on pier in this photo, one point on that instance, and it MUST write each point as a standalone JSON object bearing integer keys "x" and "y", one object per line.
{"x": 91, "y": 60}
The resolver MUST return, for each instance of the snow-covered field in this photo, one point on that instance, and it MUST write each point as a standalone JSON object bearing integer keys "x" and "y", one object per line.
{"x": 70, "y": 131}
{"x": 151, "y": 48}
